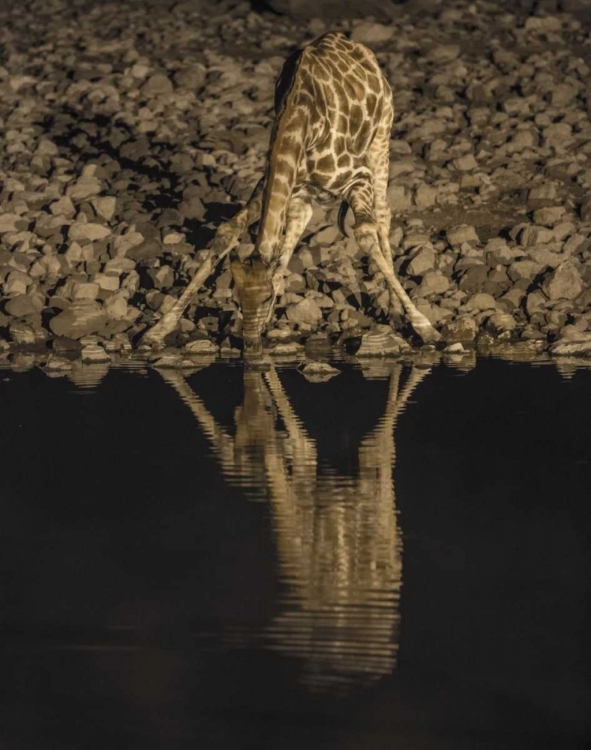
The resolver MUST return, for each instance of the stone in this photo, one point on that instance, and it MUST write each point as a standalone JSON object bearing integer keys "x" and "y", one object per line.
{"x": 381, "y": 342}
{"x": 370, "y": 33}
{"x": 500, "y": 322}
{"x": 399, "y": 197}
{"x": 116, "y": 307}
{"x": 22, "y": 333}
{"x": 425, "y": 196}
{"x": 579, "y": 345}
{"x": 462, "y": 329}
{"x": 462, "y": 233}
{"x": 80, "y": 319}
{"x": 191, "y": 77}
{"x": 444, "y": 53}
{"x": 565, "y": 282}
{"x": 550, "y": 216}
{"x": 524, "y": 269}
{"x": 94, "y": 354}
{"x": 83, "y": 189}
{"x": 465, "y": 163}
{"x": 85, "y": 290}
{"x": 105, "y": 206}
{"x": 480, "y": 301}
{"x": 422, "y": 261}
{"x": 201, "y": 346}
{"x": 534, "y": 235}
{"x": 23, "y": 305}
{"x": 319, "y": 372}
{"x": 11, "y": 223}
{"x": 306, "y": 314}
{"x": 157, "y": 85}
{"x": 434, "y": 282}
{"x": 89, "y": 231}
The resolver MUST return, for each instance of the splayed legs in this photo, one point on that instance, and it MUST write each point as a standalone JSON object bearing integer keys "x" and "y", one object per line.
{"x": 226, "y": 238}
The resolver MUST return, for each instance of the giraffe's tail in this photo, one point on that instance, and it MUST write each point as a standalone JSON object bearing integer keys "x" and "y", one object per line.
{"x": 342, "y": 215}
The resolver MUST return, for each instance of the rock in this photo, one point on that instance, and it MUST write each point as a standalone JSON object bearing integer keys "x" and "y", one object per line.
{"x": 84, "y": 290}
{"x": 463, "y": 329}
{"x": 462, "y": 233}
{"x": 549, "y": 216}
{"x": 534, "y": 235}
{"x": 500, "y": 322}
{"x": 573, "y": 346}
{"x": 11, "y": 223}
{"x": 422, "y": 261}
{"x": 64, "y": 344}
{"x": 369, "y": 33}
{"x": 191, "y": 77}
{"x": 56, "y": 363}
{"x": 319, "y": 372}
{"x": 480, "y": 301}
{"x": 105, "y": 206}
{"x": 94, "y": 353}
{"x": 201, "y": 346}
{"x": 22, "y": 305}
{"x": 425, "y": 196}
{"x": 123, "y": 243}
{"x": 23, "y": 334}
{"x": 157, "y": 85}
{"x": 465, "y": 163}
{"x": 305, "y": 314}
{"x": 381, "y": 342}
{"x": 83, "y": 189}
{"x": 434, "y": 282}
{"x": 80, "y": 319}
{"x": 399, "y": 198}
{"x": 443, "y": 53}
{"x": 88, "y": 231}
{"x": 524, "y": 269}
{"x": 565, "y": 282}
{"x": 116, "y": 307}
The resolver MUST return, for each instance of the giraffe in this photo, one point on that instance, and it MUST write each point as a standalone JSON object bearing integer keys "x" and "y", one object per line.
{"x": 339, "y": 545}
{"x": 330, "y": 140}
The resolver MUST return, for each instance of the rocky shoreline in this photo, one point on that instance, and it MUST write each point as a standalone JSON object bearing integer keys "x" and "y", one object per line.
{"x": 128, "y": 132}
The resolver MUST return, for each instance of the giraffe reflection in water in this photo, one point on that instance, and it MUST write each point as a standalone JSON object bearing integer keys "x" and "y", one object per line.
{"x": 337, "y": 537}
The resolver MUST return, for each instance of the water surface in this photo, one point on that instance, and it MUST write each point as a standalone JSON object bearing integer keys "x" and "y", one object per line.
{"x": 398, "y": 557}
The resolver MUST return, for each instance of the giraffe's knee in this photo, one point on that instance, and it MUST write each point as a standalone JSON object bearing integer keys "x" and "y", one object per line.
{"x": 366, "y": 234}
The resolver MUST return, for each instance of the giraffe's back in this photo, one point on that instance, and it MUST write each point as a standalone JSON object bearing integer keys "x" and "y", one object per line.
{"x": 337, "y": 85}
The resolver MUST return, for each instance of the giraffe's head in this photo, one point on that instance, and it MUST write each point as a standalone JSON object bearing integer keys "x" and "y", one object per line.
{"x": 253, "y": 283}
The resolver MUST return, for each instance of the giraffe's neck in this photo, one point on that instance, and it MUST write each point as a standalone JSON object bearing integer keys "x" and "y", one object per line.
{"x": 285, "y": 155}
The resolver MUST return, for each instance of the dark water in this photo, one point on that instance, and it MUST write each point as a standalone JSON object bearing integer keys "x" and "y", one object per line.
{"x": 251, "y": 560}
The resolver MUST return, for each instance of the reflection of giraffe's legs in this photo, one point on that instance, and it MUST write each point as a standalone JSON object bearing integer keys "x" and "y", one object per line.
{"x": 361, "y": 200}
{"x": 226, "y": 238}
{"x": 299, "y": 213}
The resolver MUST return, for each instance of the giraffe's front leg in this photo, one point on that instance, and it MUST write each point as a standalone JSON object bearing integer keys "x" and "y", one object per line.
{"x": 361, "y": 200}
{"x": 226, "y": 238}
{"x": 299, "y": 213}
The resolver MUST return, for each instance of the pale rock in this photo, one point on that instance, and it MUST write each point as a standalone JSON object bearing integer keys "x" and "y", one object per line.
{"x": 81, "y": 318}
{"x": 157, "y": 85}
{"x": 10, "y": 222}
{"x": 306, "y": 314}
{"x": 370, "y": 33}
{"x": 565, "y": 282}
{"x": 105, "y": 206}
{"x": 106, "y": 282}
{"x": 124, "y": 242}
{"x": 201, "y": 346}
{"x": 434, "y": 282}
{"x": 63, "y": 207}
{"x": 90, "y": 231}
{"x": 422, "y": 261}
{"x": 94, "y": 354}
{"x": 480, "y": 301}
{"x": 115, "y": 306}
{"x": 535, "y": 235}
{"x": 85, "y": 290}
{"x": 83, "y": 189}
{"x": 462, "y": 233}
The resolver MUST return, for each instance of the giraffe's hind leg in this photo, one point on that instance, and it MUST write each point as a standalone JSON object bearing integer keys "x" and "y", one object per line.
{"x": 373, "y": 241}
{"x": 226, "y": 238}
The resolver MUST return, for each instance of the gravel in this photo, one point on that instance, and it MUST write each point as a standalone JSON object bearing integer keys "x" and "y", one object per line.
{"x": 128, "y": 132}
